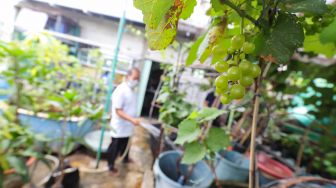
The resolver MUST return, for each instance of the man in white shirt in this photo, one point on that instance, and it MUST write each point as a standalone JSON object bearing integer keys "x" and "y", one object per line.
{"x": 123, "y": 120}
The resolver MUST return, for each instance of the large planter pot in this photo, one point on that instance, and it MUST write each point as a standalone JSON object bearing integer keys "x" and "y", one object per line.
{"x": 166, "y": 176}
{"x": 232, "y": 166}
{"x": 42, "y": 172}
{"x": 52, "y": 129}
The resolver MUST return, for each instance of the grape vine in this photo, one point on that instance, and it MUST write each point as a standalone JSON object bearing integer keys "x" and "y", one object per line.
{"x": 244, "y": 39}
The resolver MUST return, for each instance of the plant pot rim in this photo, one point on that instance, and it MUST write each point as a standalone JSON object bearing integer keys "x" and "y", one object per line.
{"x": 46, "y": 116}
{"x": 165, "y": 177}
{"x": 272, "y": 167}
{"x": 230, "y": 163}
{"x": 29, "y": 162}
{"x": 46, "y": 178}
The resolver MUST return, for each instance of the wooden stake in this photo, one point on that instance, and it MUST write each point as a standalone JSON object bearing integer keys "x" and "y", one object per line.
{"x": 253, "y": 136}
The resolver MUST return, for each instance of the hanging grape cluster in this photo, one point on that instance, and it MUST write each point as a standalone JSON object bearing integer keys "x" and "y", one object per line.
{"x": 237, "y": 73}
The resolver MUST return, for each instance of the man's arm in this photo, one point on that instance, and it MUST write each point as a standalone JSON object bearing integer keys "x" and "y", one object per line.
{"x": 126, "y": 117}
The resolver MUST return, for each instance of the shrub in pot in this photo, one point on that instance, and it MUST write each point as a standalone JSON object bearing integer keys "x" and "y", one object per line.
{"x": 199, "y": 140}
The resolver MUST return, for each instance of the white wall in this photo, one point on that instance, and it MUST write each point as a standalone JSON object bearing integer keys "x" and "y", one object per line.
{"x": 7, "y": 18}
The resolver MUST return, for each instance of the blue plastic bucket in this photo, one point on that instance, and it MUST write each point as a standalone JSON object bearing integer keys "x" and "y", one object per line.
{"x": 166, "y": 173}
{"x": 232, "y": 166}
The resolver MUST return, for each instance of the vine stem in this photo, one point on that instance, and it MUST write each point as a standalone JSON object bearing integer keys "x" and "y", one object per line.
{"x": 240, "y": 12}
{"x": 242, "y": 26}
{"x": 213, "y": 169}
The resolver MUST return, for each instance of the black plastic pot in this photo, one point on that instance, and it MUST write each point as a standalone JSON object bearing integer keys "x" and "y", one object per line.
{"x": 71, "y": 178}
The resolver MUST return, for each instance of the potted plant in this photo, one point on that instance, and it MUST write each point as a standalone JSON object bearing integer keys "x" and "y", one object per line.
{"x": 196, "y": 135}
{"x": 173, "y": 107}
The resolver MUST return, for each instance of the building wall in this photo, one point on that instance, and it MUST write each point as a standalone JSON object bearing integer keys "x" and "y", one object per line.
{"x": 104, "y": 32}
{"x": 7, "y": 18}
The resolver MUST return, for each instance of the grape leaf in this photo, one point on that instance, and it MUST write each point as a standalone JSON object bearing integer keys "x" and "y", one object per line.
{"x": 218, "y": 6}
{"x": 313, "y": 44}
{"x": 280, "y": 41}
{"x": 188, "y": 131}
{"x": 314, "y": 7}
{"x": 153, "y": 11}
{"x": 207, "y": 114}
{"x": 163, "y": 35}
{"x": 328, "y": 33}
{"x": 19, "y": 166}
{"x": 217, "y": 139}
{"x": 192, "y": 56}
{"x": 193, "y": 153}
{"x": 188, "y": 8}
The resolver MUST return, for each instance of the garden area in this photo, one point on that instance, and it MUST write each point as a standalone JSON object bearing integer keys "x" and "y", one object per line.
{"x": 248, "y": 102}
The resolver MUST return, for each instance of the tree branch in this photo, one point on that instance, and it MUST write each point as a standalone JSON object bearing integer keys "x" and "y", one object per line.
{"x": 239, "y": 11}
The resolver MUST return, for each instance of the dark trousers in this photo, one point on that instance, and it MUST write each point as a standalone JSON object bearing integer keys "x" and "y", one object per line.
{"x": 117, "y": 147}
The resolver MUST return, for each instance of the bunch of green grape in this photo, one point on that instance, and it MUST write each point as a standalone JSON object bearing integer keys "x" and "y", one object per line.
{"x": 237, "y": 73}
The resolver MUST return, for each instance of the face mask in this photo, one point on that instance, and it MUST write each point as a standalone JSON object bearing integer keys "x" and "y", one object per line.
{"x": 133, "y": 83}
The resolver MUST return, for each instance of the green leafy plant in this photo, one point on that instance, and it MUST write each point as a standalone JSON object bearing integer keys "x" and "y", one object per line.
{"x": 199, "y": 138}
{"x": 46, "y": 79}
{"x": 312, "y": 86}
{"x": 17, "y": 144}
{"x": 173, "y": 108}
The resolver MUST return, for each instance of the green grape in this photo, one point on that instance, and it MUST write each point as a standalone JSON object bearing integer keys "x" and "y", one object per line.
{"x": 254, "y": 71}
{"x": 237, "y": 42}
{"x": 245, "y": 66}
{"x": 248, "y": 47}
{"x": 231, "y": 50}
{"x": 231, "y": 62}
{"x": 221, "y": 66}
{"x": 221, "y": 82}
{"x": 242, "y": 56}
{"x": 246, "y": 81}
{"x": 221, "y": 91}
{"x": 225, "y": 99}
{"x": 234, "y": 73}
{"x": 237, "y": 91}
